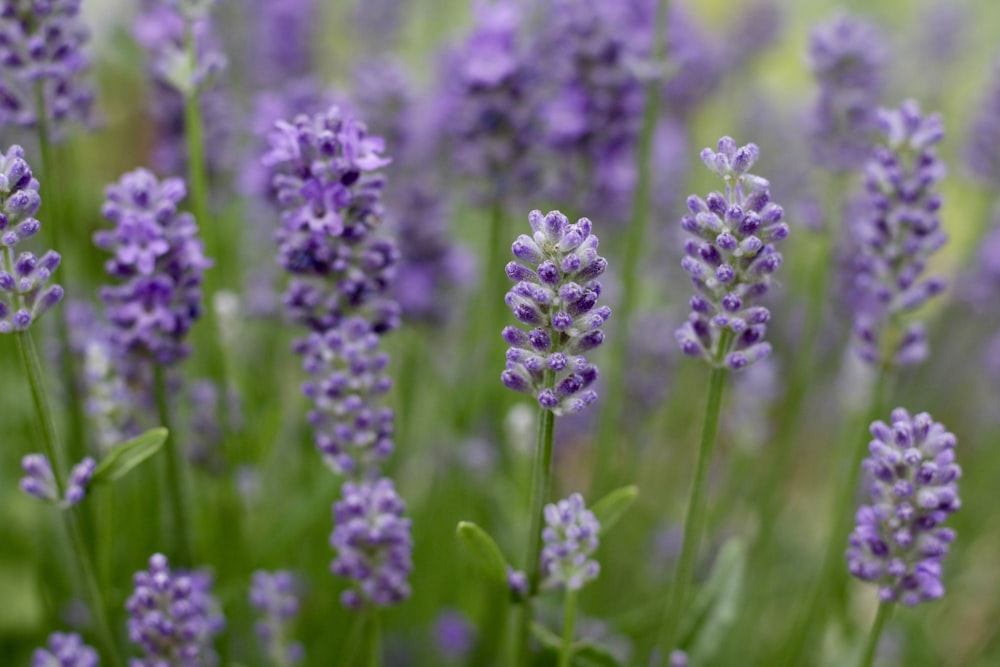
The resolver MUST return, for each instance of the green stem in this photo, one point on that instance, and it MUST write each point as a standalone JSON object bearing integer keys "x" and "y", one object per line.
{"x": 694, "y": 521}
{"x": 540, "y": 483}
{"x": 569, "y": 618}
{"x": 884, "y": 613}
{"x": 374, "y": 640}
{"x": 175, "y": 482}
{"x": 631, "y": 268}
{"x": 71, "y": 517}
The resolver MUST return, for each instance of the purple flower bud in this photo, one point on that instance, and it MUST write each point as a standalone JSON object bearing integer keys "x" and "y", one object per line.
{"x": 65, "y": 650}
{"x": 570, "y": 537}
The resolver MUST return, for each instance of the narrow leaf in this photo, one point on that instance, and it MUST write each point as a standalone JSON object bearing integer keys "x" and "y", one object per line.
{"x": 715, "y": 608}
{"x": 484, "y": 551}
{"x": 611, "y": 507}
{"x": 124, "y": 457}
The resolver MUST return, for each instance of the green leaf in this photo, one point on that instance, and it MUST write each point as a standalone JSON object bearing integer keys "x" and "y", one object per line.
{"x": 716, "y": 605}
{"x": 122, "y": 458}
{"x": 485, "y": 552}
{"x": 611, "y": 507}
{"x": 585, "y": 653}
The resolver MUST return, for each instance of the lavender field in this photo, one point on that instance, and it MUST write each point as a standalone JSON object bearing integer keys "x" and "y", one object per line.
{"x": 533, "y": 333}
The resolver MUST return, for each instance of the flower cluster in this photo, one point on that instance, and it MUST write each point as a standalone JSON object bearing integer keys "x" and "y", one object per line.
{"x": 846, "y": 56}
{"x": 730, "y": 257}
{"x": 41, "y": 45}
{"x": 373, "y": 544}
{"x": 65, "y": 650}
{"x": 172, "y": 616}
{"x": 555, "y": 292}
{"x": 274, "y": 595}
{"x": 24, "y": 293}
{"x": 982, "y": 150}
{"x": 899, "y": 540}
{"x": 41, "y": 483}
{"x": 159, "y": 259}
{"x": 899, "y": 232}
{"x": 571, "y": 538}
{"x": 283, "y": 35}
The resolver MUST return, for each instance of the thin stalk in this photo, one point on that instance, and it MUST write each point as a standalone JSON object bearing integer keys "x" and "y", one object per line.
{"x": 374, "y": 640}
{"x": 631, "y": 267}
{"x": 540, "y": 483}
{"x": 694, "y": 521}
{"x": 569, "y": 618}
{"x": 175, "y": 482}
{"x": 884, "y": 613}
{"x": 71, "y": 517}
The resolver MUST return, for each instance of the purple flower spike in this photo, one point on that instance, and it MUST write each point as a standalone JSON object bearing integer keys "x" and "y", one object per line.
{"x": 173, "y": 617}
{"x": 373, "y": 544}
{"x": 730, "y": 256}
{"x": 570, "y": 538}
{"x": 25, "y": 294}
{"x": 555, "y": 293}
{"x": 159, "y": 259}
{"x": 39, "y": 480}
{"x": 899, "y": 540}
{"x": 982, "y": 150}
{"x": 895, "y": 237}
{"x": 79, "y": 480}
{"x": 275, "y": 595}
{"x": 65, "y": 650}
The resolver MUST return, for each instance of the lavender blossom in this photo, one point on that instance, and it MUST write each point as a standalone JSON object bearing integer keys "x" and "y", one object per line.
{"x": 982, "y": 150}
{"x": 65, "y": 650}
{"x": 24, "y": 294}
{"x": 173, "y": 617}
{"x": 274, "y": 594}
{"x": 899, "y": 540}
{"x": 847, "y": 57}
{"x": 900, "y": 232}
{"x": 41, "y": 483}
{"x": 730, "y": 257}
{"x": 373, "y": 544}
{"x": 282, "y": 39}
{"x": 696, "y": 63}
{"x": 453, "y": 634}
{"x": 517, "y": 583}
{"x": 555, "y": 292}
{"x": 41, "y": 48}
{"x": 159, "y": 259}
{"x": 570, "y": 539}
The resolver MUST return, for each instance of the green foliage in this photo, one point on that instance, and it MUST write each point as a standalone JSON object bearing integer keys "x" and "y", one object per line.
{"x": 123, "y": 458}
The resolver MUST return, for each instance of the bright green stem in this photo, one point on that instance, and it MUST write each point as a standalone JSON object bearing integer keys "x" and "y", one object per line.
{"x": 540, "y": 483}
{"x": 374, "y": 637}
{"x": 881, "y": 618}
{"x": 630, "y": 267}
{"x": 569, "y": 619}
{"x": 694, "y": 522}
{"x": 175, "y": 482}
{"x": 71, "y": 517}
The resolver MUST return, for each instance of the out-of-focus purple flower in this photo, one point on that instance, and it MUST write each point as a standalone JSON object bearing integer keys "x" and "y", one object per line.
{"x": 847, "y": 56}
{"x": 730, "y": 256}
{"x": 41, "y": 46}
{"x": 517, "y": 582}
{"x": 373, "y": 544}
{"x": 696, "y": 63}
{"x": 173, "y": 617}
{"x": 453, "y": 634}
{"x": 678, "y": 658}
{"x": 899, "y": 232}
{"x": 570, "y": 538}
{"x": 757, "y": 27}
{"x": 980, "y": 286}
{"x": 275, "y": 595}
{"x": 982, "y": 149}
{"x": 206, "y": 432}
{"x": 555, "y": 293}
{"x": 379, "y": 22}
{"x": 383, "y": 92}
{"x": 282, "y": 40}
{"x": 65, "y": 650}
{"x": 159, "y": 259}
{"x": 899, "y": 540}
{"x": 41, "y": 483}
{"x": 24, "y": 293}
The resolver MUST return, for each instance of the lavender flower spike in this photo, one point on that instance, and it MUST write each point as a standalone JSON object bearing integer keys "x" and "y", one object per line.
{"x": 24, "y": 296}
{"x": 731, "y": 257}
{"x": 982, "y": 150}
{"x": 172, "y": 617}
{"x": 373, "y": 544}
{"x": 899, "y": 540}
{"x": 274, "y": 594}
{"x": 40, "y": 482}
{"x": 570, "y": 538}
{"x": 65, "y": 650}
{"x": 896, "y": 238}
{"x": 555, "y": 292}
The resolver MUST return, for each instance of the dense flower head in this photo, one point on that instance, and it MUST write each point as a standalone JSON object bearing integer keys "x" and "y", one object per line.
{"x": 326, "y": 184}
{"x": 847, "y": 57}
{"x": 41, "y": 44}
{"x": 555, "y": 293}
{"x": 352, "y": 430}
{"x": 570, "y": 538}
{"x": 24, "y": 291}
{"x": 730, "y": 256}
{"x": 899, "y": 231}
{"x": 162, "y": 30}
{"x": 159, "y": 260}
{"x": 65, "y": 650}
{"x": 982, "y": 150}
{"x": 172, "y": 616}
{"x": 900, "y": 540}
{"x": 275, "y": 595}
{"x": 373, "y": 544}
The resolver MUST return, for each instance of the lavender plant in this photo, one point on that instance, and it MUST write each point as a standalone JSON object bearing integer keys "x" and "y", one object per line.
{"x": 275, "y": 596}
{"x": 65, "y": 650}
